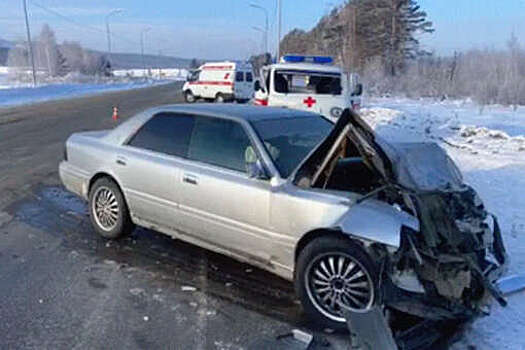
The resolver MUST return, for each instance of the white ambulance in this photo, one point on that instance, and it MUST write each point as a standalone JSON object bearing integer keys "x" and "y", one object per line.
{"x": 220, "y": 82}
{"x": 310, "y": 83}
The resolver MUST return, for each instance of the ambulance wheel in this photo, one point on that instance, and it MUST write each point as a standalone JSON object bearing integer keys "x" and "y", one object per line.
{"x": 219, "y": 98}
{"x": 189, "y": 96}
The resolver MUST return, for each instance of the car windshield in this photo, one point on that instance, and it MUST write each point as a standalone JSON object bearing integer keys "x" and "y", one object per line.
{"x": 288, "y": 141}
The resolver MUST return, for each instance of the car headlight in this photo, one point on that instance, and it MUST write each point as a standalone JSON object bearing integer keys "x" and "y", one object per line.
{"x": 336, "y": 112}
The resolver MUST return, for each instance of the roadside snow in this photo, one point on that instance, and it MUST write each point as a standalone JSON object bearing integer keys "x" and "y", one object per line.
{"x": 14, "y": 93}
{"x": 26, "y": 95}
{"x": 489, "y": 148}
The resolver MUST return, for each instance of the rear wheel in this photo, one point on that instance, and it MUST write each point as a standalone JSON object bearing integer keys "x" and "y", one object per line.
{"x": 219, "y": 98}
{"x": 331, "y": 272}
{"x": 189, "y": 96}
{"x": 108, "y": 210}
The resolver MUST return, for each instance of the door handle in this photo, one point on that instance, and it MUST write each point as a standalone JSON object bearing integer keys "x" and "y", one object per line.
{"x": 190, "y": 179}
{"x": 121, "y": 160}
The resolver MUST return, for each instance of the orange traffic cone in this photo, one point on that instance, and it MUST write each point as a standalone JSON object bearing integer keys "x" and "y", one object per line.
{"x": 115, "y": 113}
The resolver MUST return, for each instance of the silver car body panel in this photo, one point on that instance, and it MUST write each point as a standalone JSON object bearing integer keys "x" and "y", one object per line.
{"x": 255, "y": 221}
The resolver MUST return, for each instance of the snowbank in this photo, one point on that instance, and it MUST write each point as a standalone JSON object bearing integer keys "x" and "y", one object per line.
{"x": 26, "y": 95}
{"x": 165, "y": 73}
{"x": 489, "y": 148}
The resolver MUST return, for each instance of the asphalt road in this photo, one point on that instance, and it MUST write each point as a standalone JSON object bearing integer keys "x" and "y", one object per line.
{"x": 63, "y": 287}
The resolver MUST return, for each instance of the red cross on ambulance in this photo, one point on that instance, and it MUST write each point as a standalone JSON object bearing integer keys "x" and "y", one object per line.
{"x": 309, "y": 102}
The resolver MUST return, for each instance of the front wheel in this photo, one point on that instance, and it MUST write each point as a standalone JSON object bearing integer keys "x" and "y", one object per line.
{"x": 108, "y": 210}
{"x": 189, "y": 96}
{"x": 332, "y": 272}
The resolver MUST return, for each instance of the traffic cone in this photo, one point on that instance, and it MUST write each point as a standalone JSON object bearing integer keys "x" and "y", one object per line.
{"x": 115, "y": 113}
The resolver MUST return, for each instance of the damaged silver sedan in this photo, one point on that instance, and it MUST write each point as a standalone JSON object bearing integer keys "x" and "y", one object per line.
{"x": 353, "y": 221}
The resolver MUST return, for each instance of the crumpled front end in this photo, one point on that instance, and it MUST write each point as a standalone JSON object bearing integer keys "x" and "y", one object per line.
{"x": 448, "y": 269}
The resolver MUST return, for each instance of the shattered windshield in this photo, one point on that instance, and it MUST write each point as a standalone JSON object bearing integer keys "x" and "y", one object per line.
{"x": 288, "y": 141}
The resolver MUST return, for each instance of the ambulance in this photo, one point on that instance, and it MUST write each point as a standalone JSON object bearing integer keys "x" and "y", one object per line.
{"x": 220, "y": 82}
{"x": 310, "y": 83}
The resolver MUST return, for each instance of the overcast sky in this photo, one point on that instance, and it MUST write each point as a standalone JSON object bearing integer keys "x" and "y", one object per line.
{"x": 223, "y": 28}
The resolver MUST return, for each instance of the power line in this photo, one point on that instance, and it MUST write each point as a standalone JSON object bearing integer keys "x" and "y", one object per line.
{"x": 78, "y": 24}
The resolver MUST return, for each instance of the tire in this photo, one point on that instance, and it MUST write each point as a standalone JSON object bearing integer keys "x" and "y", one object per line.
{"x": 354, "y": 281}
{"x": 113, "y": 220}
{"x": 189, "y": 97}
{"x": 219, "y": 98}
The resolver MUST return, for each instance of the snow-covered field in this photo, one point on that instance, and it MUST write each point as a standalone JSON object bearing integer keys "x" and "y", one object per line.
{"x": 489, "y": 148}
{"x": 12, "y": 94}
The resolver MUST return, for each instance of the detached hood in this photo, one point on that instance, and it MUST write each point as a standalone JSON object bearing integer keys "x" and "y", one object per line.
{"x": 421, "y": 167}
{"x": 348, "y": 126}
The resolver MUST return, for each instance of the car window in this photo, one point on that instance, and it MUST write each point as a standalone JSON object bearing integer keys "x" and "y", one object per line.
{"x": 167, "y": 133}
{"x": 220, "y": 142}
{"x": 239, "y": 76}
{"x": 249, "y": 77}
{"x": 289, "y": 140}
{"x": 305, "y": 82}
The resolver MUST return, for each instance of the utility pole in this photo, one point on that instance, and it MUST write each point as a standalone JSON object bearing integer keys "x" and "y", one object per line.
{"x": 112, "y": 12}
{"x": 266, "y": 25}
{"x": 29, "y": 43}
{"x": 142, "y": 47}
{"x": 279, "y": 20}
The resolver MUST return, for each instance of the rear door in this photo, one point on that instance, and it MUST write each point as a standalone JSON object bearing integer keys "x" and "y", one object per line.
{"x": 306, "y": 90}
{"x": 219, "y": 203}
{"x": 148, "y": 166}
{"x": 240, "y": 85}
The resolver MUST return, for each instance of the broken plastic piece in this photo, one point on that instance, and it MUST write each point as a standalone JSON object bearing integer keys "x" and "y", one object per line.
{"x": 369, "y": 329}
{"x": 511, "y": 284}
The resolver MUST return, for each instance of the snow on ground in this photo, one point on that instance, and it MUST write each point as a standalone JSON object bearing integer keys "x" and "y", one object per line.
{"x": 164, "y": 73}
{"x": 489, "y": 148}
{"x": 75, "y": 85}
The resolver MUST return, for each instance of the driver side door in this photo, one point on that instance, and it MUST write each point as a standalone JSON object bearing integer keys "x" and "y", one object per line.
{"x": 219, "y": 203}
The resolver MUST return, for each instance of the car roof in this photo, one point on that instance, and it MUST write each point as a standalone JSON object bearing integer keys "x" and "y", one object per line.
{"x": 246, "y": 112}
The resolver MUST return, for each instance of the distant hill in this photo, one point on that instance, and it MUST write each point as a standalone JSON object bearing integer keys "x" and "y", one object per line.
{"x": 133, "y": 60}
{"x": 119, "y": 60}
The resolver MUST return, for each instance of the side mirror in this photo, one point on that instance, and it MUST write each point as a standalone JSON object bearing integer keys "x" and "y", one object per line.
{"x": 257, "y": 85}
{"x": 358, "y": 90}
{"x": 256, "y": 171}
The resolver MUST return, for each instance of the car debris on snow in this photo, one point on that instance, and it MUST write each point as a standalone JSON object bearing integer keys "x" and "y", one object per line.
{"x": 137, "y": 291}
{"x": 188, "y": 289}
{"x": 511, "y": 284}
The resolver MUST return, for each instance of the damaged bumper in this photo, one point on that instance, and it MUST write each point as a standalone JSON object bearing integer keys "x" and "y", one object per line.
{"x": 445, "y": 286}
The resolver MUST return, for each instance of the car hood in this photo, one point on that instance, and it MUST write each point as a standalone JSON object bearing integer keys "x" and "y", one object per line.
{"x": 418, "y": 166}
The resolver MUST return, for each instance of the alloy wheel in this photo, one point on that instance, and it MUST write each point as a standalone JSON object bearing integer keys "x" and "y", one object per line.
{"x": 337, "y": 279}
{"x": 105, "y": 208}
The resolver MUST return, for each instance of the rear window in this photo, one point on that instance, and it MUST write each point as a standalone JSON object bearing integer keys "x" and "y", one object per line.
{"x": 249, "y": 77}
{"x": 219, "y": 142}
{"x": 239, "y": 76}
{"x": 306, "y": 82}
{"x": 167, "y": 133}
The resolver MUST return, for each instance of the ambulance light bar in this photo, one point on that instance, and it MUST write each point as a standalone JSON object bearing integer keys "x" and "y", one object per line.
{"x": 307, "y": 59}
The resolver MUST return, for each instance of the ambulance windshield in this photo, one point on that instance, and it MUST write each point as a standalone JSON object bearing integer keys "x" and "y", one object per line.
{"x": 307, "y": 82}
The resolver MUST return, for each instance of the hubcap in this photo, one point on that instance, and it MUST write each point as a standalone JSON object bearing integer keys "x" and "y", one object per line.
{"x": 105, "y": 208}
{"x": 336, "y": 279}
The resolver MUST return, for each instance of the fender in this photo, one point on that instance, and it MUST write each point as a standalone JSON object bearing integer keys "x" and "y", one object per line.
{"x": 376, "y": 221}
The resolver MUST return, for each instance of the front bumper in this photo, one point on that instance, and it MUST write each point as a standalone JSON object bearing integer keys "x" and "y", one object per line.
{"x": 429, "y": 304}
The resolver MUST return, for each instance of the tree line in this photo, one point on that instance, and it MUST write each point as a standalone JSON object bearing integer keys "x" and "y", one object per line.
{"x": 57, "y": 60}
{"x": 379, "y": 40}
